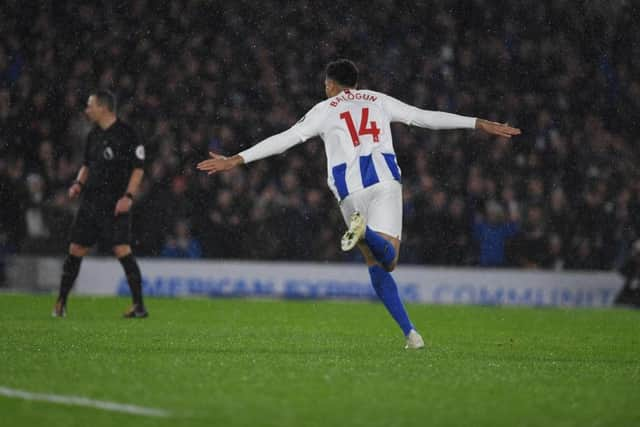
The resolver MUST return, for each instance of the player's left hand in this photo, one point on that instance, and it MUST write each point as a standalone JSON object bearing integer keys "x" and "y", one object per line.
{"x": 123, "y": 206}
{"x": 498, "y": 129}
{"x": 219, "y": 163}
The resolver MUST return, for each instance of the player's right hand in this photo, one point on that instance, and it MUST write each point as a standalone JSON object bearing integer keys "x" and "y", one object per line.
{"x": 74, "y": 190}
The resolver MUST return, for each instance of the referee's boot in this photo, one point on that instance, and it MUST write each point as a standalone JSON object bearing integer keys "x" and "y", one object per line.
{"x": 355, "y": 233}
{"x": 136, "y": 311}
{"x": 59, "y": 310}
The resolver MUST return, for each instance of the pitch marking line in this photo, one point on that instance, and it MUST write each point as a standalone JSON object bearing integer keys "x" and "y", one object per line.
{"x": 83, "y": 401}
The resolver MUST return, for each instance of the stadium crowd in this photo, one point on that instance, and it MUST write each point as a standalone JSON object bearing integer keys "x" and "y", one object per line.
{"x": 194, "y": 76}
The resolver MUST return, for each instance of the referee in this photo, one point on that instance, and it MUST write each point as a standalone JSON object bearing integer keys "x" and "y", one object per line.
{"x": 108, "y": 180}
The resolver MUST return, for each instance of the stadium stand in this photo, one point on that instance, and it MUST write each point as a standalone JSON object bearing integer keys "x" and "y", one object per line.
{"x": 194, "y": 76}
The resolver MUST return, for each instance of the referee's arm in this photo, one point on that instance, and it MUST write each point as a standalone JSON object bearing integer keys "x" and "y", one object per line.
{"x": 78, "y": 184}
{"x": 125, "y": 202}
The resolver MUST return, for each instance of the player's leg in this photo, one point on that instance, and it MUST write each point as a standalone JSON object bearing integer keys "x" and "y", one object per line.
{"x": 83, "y": 235}
{"x": 387, "y": 290}
{"x": 382, "y": 246}
{"x": 383, "y": 206}
{"x": 122, "y": 251}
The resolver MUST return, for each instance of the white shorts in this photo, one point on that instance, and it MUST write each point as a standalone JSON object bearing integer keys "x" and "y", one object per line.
{"x": 381, "y": 206}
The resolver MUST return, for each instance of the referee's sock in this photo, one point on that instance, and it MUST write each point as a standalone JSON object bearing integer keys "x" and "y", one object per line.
{"x": 134, "y": 277}
{"x": 70, "y": 270}
{"x": 387, "y": 290}
{"x": 381, "y": 248}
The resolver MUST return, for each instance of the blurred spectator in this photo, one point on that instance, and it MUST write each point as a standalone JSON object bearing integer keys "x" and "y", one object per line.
{"x": 180, "y": 244}
{"x": 36, "y": 228}
{"x": 15, "y": 198}
{"x": 6, "y": 249}
{"x": 594, "y": 223}
{"x": 559, "y": 218}
{"x": 221, "y": 228}
{"x": 58, "y": 219}
{"x": 433, "y": 224}
{"x": 457, "y": 239}
{"x": 492, "y": 232}
{"x": 584, "y": 257}
{"x": 531, "y": 245}
{"x": 630, "y": 270}
{"x": 553, "y": 258}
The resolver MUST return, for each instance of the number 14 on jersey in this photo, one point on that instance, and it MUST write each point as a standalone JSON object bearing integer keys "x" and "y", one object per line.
{"x": 365, "y": 129}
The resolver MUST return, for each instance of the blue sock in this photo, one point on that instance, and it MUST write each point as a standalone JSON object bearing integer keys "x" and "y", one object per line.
{"x": 387, "y": 291}
{"x": 381, "y": 248}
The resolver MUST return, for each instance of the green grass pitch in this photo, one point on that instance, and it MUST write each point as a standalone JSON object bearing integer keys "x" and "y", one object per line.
{"x": 318, "y": 363}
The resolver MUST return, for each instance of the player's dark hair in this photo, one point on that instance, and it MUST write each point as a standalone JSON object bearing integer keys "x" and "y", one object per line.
{"x": 344, "y": 72}
{"x": 107, "y": 99}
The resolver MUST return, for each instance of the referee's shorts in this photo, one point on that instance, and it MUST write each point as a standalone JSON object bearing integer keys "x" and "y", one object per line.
{"x": 94, "y": 223}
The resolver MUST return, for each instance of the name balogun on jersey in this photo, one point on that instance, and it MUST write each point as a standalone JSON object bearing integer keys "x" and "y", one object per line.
{"x": 348, "y": 96}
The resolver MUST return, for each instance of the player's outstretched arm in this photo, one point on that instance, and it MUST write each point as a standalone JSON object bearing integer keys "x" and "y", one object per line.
{"x": 498, "y": 129}
{"x": 413, "y": 116}
{"x": 219, "y": 163}
{"x": 273, "y": 145}
{"x": 306, "y": 128}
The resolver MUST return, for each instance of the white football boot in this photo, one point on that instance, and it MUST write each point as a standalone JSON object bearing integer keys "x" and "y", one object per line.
{"x": 355, "y": 233}
{"x": 414, "y": 341}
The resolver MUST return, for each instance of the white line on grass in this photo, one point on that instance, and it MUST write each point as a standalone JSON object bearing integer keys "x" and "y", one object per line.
{"x": 83, "y": 401}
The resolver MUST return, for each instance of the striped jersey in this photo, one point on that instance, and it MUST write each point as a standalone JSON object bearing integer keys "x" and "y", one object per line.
{"x": 355, "y": 126}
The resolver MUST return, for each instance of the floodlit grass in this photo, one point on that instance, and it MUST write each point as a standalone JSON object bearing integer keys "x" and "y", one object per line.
{"x": 319, "y": 363}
